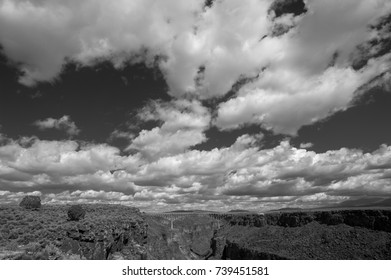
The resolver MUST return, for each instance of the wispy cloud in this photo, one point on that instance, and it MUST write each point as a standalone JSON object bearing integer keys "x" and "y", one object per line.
{"x": 64, "y": 123}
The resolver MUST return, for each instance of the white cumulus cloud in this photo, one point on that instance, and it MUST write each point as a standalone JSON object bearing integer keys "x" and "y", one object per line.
{"x": 205, "y": 51}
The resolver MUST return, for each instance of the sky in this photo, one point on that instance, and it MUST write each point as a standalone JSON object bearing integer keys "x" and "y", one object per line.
{"x": 212, "y": 105}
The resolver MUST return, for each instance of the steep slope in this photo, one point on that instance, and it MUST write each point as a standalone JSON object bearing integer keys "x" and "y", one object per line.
{"x": 189, "y": 239}
{"x": 335, "y": 234}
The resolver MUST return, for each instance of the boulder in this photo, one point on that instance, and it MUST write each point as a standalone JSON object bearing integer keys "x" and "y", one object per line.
{"x": 31, "y": 202}
{"x": 76, "y": 213}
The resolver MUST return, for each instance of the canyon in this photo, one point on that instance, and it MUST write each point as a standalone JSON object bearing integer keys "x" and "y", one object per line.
{"x": 327, "y": 234}
{"x": 120, "y": 232}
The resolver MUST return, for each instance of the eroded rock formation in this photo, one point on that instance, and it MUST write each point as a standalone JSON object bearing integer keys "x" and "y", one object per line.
{"x": 108, "y": 233}
{"x": 370, "y": 219}
{"x": 336, "y": 234}
{"x": 118, "y": 232}
{"x": 31, "y": 202}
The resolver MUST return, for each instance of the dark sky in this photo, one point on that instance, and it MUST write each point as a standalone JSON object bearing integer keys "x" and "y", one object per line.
{"x": 364, "y": 125}
{"x": 99, "y": 99}
{"x": 209, "y": 105}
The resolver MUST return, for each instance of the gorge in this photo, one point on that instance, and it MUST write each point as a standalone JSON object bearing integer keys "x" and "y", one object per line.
{"x": 119, "y": 232}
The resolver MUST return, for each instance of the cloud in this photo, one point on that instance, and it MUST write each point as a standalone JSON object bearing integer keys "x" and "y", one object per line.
{"x": 295, "y": 67}
{"x": 7, "y": 197}
{"x": 155, "y": 143}
{"x": 177, "y": 114}
{"x": 43, "y": 34}
{"x": 241, "y": 175}
{"x": 306, "y": 145}
{"x": 183, "y": 123}
{"x": 314, "y": 67}
{"x": 2, "y": 136}
{"x": 88, "y": 196}
{"x": 203, "y": 51}
{"x": 277, "y": 107}
{"x": 64, "y": 123}
{"x": 120, "y": 134}
{"x": 47, "y": 164}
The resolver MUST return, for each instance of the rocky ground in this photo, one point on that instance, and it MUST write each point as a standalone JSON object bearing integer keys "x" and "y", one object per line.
{"x": 118, "y": 232}
{"x": 331, "y": 234}
{"x": 311, "y": 241}
{"x": 106, "y": 232}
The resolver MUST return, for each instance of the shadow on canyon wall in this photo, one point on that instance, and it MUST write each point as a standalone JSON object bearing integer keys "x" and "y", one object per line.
{"x": 332, "y": 234}
{"x": 119, "y": 232}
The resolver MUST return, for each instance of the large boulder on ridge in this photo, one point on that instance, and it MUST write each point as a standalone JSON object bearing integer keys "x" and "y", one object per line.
{"x": 31, "y": 202}
{"x": 76, "y": 213}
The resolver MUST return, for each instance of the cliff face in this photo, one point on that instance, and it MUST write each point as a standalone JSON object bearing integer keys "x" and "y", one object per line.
{"x": 161, "y": 243}
{"x": 119, "y": 233}
{"x": 339, "y": 234}
{"x": 189, "y": 239}
{"x": 106, "y": 232}
{"x": 234, "y": 251}
{"x": 370, "y": 219}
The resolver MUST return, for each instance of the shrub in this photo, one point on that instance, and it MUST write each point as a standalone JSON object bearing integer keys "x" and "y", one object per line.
{"x": 13, "y": 235}
{"x": 52, "y": 252}
{"x": 335, "y": 219}
{"x": 31, "y": 202}
{"x": 324, "y": 238}
{"x": 76, "y": 213}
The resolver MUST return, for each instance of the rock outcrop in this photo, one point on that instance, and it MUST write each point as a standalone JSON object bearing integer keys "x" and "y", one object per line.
{"x": 234, "y": 251}
{"x": 110, "y": 232}
{"x": 334, "y": 234}
{"x": 119, "y": 232}
{"x": 252, "y": 220}
{"x": 76, "y": 213}
{"x": 190, "y": 237}
{"x": 370, "y": 219}
{"x": 31, "y": 202}
{"x": 106, "y": 232}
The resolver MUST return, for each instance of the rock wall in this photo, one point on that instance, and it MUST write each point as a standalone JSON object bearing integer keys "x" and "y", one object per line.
{"x": 115, "y": 233}
{"x": 218, "y": 245}
{"x": 119, "y": 236}
{"x": 347, "y": 238}
{"x": 189, "y": 239}
{"x": 252, "y": 220}
{"x": 233, "y": 251}
{"x": 371, "y": 219}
